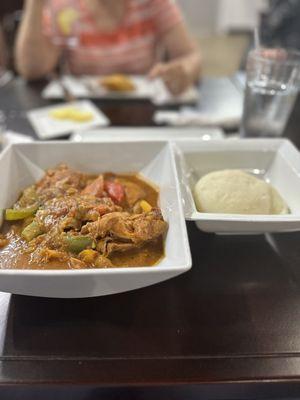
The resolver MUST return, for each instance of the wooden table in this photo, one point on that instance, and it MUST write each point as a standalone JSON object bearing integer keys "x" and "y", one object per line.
{"x": 229, "y": 328}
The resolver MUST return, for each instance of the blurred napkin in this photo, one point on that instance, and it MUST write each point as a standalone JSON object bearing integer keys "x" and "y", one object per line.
{"x": 10, "y": 137}
{"x": 221, "y": 105}
{"x": 192, "y": 117}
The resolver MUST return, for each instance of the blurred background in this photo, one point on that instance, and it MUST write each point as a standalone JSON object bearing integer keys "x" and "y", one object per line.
{"x": 223, "y": 28}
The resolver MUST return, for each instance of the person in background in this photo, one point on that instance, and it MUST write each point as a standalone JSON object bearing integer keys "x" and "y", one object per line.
{"x": 123, "y": 36}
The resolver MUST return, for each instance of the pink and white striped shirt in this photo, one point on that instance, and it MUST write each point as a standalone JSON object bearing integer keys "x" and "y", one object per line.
{"x": 130, "y": 48}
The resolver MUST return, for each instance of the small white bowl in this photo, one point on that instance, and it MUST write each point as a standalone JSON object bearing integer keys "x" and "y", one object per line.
{"x": 23, "y": 164}
{"x": 275, "y": 160}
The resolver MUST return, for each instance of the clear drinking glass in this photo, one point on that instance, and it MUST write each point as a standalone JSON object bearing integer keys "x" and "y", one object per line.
{"x": 273, "y": 77}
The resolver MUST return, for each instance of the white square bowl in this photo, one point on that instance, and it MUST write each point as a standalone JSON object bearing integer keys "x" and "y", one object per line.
{"x": 275, "y": 160}
{"x": 23, "y": 164}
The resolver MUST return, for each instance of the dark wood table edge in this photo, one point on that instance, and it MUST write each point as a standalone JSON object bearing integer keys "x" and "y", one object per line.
{"x": 147, "y": 372}
{"x": 234, "y": 390}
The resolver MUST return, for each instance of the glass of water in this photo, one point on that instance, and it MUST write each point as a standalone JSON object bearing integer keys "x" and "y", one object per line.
{"x": 273, "y": 77}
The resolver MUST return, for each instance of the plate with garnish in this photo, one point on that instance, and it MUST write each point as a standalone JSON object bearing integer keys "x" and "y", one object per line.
{"x": 65, "y": 118}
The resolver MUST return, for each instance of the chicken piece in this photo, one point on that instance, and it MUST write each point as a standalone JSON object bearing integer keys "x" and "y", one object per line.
{"x": 54, "y": 210}
{"x": 90, "y": 208}
{"x": 113, "y": 247}
{"x": 55, "y": 193}
{"x": 104, "y": 225}
{"x": 95, "y": 188}
{"x": 70, "y": 211}
{"x": 121, "y": 227}
{"x": 75, "y": 263}
{"x": 107, "y": 246}
{"x": 47, "y": 255}
{"x": 133, "y": 192}
{"x": 102, "y": 245}
{"x": 62, "y": 177}
{"x": 52, "y": 240}
{"x": 148, "y": 226}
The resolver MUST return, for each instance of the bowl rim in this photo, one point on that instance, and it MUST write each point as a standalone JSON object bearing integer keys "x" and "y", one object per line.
{"x": 96, "y": 271}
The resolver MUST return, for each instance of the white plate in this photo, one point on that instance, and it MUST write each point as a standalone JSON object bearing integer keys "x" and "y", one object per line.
{"x": 23, "y": 164}
{"x": 88, "y": 87}
{"x": 141, "y": 134}
{"x": 275, "y": 160}
{"x": 47, "y": 127}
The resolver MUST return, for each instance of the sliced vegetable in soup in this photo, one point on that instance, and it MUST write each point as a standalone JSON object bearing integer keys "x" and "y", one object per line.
{"x": 74, "y": 220}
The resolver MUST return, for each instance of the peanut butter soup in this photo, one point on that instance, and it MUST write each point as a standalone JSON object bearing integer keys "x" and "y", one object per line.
{"x": 72, "y": 220}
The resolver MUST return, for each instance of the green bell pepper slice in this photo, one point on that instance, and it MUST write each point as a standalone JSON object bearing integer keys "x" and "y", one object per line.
{"x": 16, "y": 214}
{"x": 75, "y": 244}
{"x": 31, "y": 231}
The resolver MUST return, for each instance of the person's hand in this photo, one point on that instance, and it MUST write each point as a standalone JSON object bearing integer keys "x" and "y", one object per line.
{"x": 175, "y": 74}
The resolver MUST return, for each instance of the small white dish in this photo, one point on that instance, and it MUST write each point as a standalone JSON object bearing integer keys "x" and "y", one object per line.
{"x": 47, "y": 127}
{"x": 275, "y": 160}
{"x": 23, "y": 164}
{"x": 141, "y": 134}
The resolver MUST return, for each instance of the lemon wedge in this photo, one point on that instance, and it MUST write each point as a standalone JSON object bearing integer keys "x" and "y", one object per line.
{"x": 72, "y": 114}
{"x": 80, "y": 116}
{"x": 61, "y": 113}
